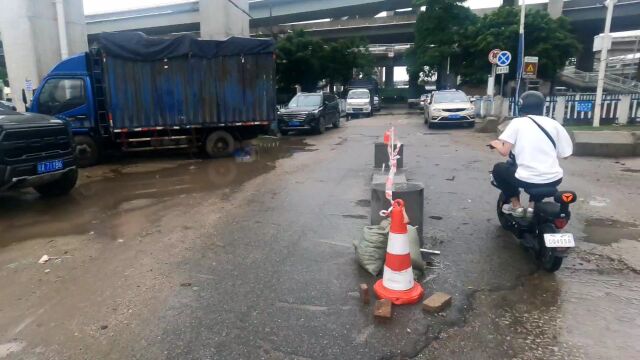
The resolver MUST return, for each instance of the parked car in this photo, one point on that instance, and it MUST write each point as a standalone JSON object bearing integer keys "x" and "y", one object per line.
{"x": 449, "y": 106}
{"x": 359, "y": 103}
{"x": 419, "y": 102}
{"x": 36, "y": 151}
{"x": 6, "y": 105}
{"x": 310, "y": 111}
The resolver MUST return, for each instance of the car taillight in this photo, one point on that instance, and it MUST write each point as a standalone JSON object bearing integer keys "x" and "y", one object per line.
{"x": 560, "y": 223}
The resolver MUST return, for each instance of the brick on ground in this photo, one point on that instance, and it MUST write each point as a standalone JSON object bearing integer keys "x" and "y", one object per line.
{"x": 437, "y": 302}
{"x": 364, "y": 294}
{"x": 383, "y": 308}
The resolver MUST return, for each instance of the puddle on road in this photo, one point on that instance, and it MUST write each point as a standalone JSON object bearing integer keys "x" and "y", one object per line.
{"x": 604, "y": 231}
{"x": 130, "y": 194}
{"x": 363, "y": 203}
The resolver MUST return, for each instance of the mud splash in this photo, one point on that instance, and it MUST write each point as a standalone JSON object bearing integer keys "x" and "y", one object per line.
{"x": 603, "y": 231}
{"x": 112, "y": 198}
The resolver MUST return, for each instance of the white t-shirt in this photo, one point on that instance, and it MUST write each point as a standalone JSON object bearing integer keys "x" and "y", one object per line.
{"x": 536, "y": 157}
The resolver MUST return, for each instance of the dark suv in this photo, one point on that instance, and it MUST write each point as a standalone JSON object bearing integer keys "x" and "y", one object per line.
{"x": 36, "y": 151}
{"x": 310, "y": 111}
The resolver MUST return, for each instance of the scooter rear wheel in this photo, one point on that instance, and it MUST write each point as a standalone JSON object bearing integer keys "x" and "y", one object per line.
{"x": 548, "y": 259}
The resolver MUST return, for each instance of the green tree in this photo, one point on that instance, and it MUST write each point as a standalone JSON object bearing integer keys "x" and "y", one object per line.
{"x": 299, "y": 62}
{"x": 549, "y": 39}
{"x": 344, "y": 58}
{"x": 440, "y": 30}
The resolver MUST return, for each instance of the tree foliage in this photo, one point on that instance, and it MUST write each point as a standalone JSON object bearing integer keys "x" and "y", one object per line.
{"x": 549, "y": 39}
{"x": 304, "y": 61}
{"x": 440, "y": 30}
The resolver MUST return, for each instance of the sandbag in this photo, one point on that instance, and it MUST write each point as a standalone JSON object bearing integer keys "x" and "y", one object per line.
{"x": 371, "y": 249}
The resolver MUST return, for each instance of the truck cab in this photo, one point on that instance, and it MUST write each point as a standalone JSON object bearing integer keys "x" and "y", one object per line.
{"x": 68, "y": 93}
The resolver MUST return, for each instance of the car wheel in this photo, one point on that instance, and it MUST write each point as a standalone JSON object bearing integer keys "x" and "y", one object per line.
{"x": 336, "y": 124}
{"x": 61, "y": 186}
{"x": 320, "y": 128}
{"x": 284, "y": 132}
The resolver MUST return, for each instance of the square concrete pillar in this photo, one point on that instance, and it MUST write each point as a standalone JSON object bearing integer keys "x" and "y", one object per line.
{"x": 558, "y": 115}
{"x": 221, "y": 19}
{"x": 624, "y": 107}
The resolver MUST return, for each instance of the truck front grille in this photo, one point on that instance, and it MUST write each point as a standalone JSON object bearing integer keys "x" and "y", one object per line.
{"x": 29, "y": 143}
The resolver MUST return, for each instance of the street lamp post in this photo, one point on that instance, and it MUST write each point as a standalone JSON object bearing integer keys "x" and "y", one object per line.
{"x": 603, "y": 62}
{"x": 523, "y": 11}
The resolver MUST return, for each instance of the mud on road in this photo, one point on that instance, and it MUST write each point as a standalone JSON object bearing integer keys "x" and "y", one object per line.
{"x": 170, "y": 256}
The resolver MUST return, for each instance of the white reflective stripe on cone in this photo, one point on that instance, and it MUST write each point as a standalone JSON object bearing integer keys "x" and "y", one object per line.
{"x": 398, "y": 244}
{"x": 400, "y": 281}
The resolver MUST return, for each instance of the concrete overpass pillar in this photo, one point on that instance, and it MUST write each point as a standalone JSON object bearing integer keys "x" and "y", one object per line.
{"x": 220, "y": 19}
{"x": 555, "y": 8}
{"x": 31, "y": 41}
{"x": 388, "y": 76}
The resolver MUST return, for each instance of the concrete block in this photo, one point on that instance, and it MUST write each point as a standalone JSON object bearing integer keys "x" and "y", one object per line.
{"x": 382, "y": 309}
{"x": 364, "y": 294}
{"x": 382, "y": 157}
{"x": 436, "y": 302}
{"x": 604, "y": 143}
{"x": 380, "y": 177}
{"x": 503, "y": 125}
{"x": 488, "y": 125}
{"x": 413, "y": 196}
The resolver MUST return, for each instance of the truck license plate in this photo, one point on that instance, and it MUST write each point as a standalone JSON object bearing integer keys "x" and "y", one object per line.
{"x": 559, "y": 240}
{"x": 50, "y": 166}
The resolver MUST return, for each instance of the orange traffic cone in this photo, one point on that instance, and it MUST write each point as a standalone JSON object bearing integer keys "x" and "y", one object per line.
{"x": 397, "y": 282}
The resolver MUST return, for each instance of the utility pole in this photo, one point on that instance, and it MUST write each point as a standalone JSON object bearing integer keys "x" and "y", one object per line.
{"x": 606, "y": 42}
{"x": 523, "y": 11}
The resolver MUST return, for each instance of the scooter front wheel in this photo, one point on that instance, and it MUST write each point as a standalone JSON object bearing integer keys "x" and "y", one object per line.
{"x": 502, "y": 217}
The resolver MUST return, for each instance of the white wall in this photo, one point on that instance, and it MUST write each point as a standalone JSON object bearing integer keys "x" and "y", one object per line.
{"x": 219, "y": 19}
{"x": 29, "y": 33}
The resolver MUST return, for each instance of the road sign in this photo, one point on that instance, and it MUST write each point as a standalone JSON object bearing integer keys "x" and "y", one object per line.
{"x": 530, "y": 70}
{"x": 584, "y": 106}
{"x": 502, "y": 70}
{"x": 493, "y": 56}
{"x": 503, "y": 59}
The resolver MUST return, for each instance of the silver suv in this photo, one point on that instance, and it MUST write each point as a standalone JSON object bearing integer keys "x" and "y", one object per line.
{"x": 449, "y": 106}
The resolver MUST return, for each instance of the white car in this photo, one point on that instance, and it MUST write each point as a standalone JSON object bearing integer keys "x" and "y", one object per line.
{"x": 449, "y": 106}
{"x": 359, "y": 103}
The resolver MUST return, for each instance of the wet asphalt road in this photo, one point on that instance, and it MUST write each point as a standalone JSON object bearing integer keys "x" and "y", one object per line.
{"x": 171, "y": 256}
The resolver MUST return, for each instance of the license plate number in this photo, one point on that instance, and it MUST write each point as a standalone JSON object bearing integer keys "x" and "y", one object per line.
{"x": 357, "y": 109}
{"x": 559, "y": 240}
{"x": 295, "y": 123}
{"x": 454, "y": 116}
{"x": 50, "y": 166}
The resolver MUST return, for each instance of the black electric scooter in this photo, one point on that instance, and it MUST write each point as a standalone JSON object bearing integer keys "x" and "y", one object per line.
{"x": 542, "y": 234}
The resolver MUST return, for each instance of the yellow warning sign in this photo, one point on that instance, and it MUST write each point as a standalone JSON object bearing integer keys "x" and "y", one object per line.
{"x": 530, "y": 67}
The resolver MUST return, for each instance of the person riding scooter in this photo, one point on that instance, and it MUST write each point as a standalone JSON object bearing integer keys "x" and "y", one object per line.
{"x": 534, "y": 143}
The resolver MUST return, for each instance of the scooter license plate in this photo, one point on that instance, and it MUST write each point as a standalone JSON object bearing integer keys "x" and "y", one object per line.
{"x": 559, "y": 240}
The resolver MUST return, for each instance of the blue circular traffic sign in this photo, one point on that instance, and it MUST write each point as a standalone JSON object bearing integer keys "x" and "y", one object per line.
{"x": 504, "y": 58}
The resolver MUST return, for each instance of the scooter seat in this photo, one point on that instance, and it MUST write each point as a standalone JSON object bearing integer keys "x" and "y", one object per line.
{"x": 548, "y": 210}
{"x": 539, "y": 194}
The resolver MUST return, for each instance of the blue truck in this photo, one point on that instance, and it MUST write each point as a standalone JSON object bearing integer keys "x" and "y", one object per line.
{"x": 132, "y": 92}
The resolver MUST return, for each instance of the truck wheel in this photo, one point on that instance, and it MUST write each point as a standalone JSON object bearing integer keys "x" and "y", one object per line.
{"x": 59, "y": 187}
{"x": 87, "y": 151}
{"x": 219, "y": 144}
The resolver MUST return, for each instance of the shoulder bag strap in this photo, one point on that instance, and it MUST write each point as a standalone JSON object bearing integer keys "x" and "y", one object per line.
{"x": 545, "y": 132}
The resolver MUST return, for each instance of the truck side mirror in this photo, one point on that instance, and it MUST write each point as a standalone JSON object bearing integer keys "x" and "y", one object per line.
{"x": 24, "y": 97}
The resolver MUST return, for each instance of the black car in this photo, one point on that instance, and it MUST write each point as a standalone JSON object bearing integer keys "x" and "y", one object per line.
{"x": 36, "y": 151}
{"x": 310, "y": 111}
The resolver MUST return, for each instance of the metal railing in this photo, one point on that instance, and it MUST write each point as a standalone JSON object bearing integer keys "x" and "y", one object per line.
{"x": 591, "y": 79}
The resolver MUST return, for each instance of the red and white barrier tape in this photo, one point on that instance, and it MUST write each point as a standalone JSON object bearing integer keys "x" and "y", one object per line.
{"x": 393, "y": 167}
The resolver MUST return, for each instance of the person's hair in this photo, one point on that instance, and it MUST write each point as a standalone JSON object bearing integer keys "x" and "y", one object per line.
{"x": 531, "y": 103}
